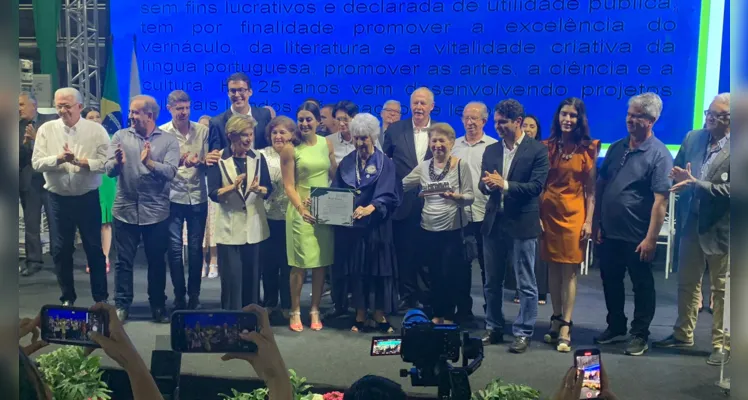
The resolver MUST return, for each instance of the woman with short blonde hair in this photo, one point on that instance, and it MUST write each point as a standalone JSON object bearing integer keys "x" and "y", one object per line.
{"x": 239, "y": 183}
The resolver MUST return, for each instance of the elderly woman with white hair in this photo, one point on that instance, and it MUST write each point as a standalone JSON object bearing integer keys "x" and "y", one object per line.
{"x": 365, "y": 252}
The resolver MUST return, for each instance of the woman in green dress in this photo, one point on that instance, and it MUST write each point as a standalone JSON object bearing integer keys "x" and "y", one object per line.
{"x": 308, "y": 245}
{"x": 107, "y": 191}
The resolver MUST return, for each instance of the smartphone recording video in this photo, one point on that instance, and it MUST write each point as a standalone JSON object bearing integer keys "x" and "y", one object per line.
{"x": 212, "y": 331}
{"x": 72, "y": 326}
{"x": 385, "y": 345}
{"x": 588, "y": 363}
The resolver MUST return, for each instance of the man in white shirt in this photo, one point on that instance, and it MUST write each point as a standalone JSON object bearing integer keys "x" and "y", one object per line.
{"x": 470, "y": 149}
{"x": 189, "y": 200}
{"x": 71, "y": 152}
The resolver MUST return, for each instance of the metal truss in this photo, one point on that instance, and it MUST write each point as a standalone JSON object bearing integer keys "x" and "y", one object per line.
{"x": 81, "y": 39}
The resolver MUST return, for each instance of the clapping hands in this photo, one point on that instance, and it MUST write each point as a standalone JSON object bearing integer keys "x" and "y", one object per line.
{"x": 119, "y": 155}
{"x": 682, "y": 177}
{"x": 66, "y": 156}
{"x": 493, "y": 180}
{"x": 145, "y": 155}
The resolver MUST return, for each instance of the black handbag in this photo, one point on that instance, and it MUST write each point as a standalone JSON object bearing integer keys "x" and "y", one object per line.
{"x": 469, "y": 242}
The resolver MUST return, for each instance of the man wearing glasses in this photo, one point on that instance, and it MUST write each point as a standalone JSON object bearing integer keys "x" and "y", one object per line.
{"x": 702, "y": 176}
{"x": 391, "y": 113}
{"x": 632, "y": 194}
{"x": 239, "y": 89}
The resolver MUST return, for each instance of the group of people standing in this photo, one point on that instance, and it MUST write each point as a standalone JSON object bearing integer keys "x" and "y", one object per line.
{"x": 525, "y": 208}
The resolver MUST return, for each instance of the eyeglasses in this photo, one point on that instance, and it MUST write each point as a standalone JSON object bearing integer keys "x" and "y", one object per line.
{"x": 471, "y": 119}
{"x": 238, "y": 90}
{"x": 392, "y": 110}
{"x": 721, "y": 117}
{"x": 61, "y": 107}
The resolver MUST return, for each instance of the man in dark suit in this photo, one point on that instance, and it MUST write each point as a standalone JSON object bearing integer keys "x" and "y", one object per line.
{"x": 31, "y": 183}
{"x": 514, "y": 174}
{"x": 702, "y": 173}
{"x": 239, "y": 91}
{"x": 406, "y": 143}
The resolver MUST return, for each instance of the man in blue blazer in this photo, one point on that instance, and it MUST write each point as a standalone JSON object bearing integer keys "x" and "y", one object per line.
{"x": 514, "y": 174}
{"x": 702, "y": 173}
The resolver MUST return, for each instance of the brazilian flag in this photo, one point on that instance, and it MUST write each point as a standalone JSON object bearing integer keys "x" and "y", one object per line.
{"x": 111, "y": 111}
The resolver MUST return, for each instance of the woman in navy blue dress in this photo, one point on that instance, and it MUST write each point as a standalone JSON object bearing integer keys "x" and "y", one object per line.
{"x": 365, "y": 252}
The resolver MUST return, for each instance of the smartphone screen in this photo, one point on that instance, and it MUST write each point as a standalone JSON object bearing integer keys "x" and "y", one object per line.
{"x": 588, "y": 363}
{"x": 212, "y": 331}
{"x": 72, "y": 326}
{"x": 386, "y": 345}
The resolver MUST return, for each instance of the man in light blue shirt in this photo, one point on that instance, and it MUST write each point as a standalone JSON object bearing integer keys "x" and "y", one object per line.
{"x": 145, "y": 160}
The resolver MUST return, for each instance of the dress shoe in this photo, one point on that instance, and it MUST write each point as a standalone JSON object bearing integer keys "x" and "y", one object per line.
{"x": 28, "y": 271}
{"x": 492, "y": 337}
{"x": 520, "y": 344}
{"x": 160, "y": 316}
{"x": 122, "y": 314}
{"x": 180, "y": 304}
{"x": 193, "y": 304}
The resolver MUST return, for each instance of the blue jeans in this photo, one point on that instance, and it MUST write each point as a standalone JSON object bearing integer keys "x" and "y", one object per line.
{"x": 501, "y": 251}
{"x": 195, "y": 216}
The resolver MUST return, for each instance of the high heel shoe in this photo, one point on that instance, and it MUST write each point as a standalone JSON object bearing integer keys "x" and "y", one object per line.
{"x": 552, "y": 336}
{"x": 295, "y": 327}
{"x": 564, "y": 345}
{"x": 316, "y": 326}
{"x": 213, "y": 274}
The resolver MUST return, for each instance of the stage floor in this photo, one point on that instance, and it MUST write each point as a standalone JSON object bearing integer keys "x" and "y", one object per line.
{"x": 337, "y": 357}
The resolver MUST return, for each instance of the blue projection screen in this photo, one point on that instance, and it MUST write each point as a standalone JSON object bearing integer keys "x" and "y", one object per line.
{"x": 536, "y": 51}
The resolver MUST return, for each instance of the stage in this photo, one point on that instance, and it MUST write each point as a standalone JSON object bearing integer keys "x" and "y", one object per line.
{"x": 336, "y": 357}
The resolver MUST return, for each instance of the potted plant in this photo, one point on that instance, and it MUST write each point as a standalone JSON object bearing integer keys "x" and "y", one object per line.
{"x": 301, "y": 390}
{"x": 71, "y": 375}
{"x": 499, "y": 390}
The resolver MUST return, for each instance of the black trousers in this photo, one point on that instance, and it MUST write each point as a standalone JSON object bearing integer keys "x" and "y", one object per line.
{"x": 240, "y": 275}
{"x": 445, "y": 267}
{"x": 155, "y": 243}
{"x": 465, "y": 283}
{"x": 275, "y": 270}
{"x": 32, "y": 201}
{"x": 196, "y": 216}
{"x": 66, "y": 213}
{"x": 617, "y": 257}
{"x": 407, "y": 237}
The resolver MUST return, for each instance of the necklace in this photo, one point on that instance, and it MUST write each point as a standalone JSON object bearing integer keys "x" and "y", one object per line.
{"x": 567, "y": 156}
{"x": 432, "y": 174}
{"x": 360, "y": 164}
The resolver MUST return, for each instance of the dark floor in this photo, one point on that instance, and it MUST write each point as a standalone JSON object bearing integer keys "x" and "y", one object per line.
{"x": 337, "y": 357}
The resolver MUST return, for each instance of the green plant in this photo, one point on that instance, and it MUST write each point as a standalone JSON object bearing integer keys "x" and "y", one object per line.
{"x": 73, "y": 376}
{"x": 498, "y": 390}
{"x": 300, "y": 387}
{"x": 298, "y": 383}
{"x": 257, "y": 394}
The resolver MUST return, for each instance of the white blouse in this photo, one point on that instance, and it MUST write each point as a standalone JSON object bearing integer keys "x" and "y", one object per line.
{"x": 440, "y": 214}
{"x": 240, "y": 218}
{"x": 277, "y": 203}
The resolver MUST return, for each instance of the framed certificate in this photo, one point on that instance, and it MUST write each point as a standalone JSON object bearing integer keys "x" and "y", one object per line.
{"x": 331, "y": 206}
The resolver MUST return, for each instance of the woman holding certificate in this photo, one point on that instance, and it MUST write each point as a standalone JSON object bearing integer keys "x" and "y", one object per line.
{"x": 239, "y": 183}
{"x": 365, "y": 252}
{"x": 443, "y": 216}
{"x": 308, "y": 245}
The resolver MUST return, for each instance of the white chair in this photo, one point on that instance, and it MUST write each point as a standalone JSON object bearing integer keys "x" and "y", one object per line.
{"x": 666, "y": 238}
{"x": 667, "y": 234}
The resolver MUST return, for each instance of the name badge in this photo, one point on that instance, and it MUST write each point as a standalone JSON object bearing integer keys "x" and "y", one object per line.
{"x": 724, "y": 176}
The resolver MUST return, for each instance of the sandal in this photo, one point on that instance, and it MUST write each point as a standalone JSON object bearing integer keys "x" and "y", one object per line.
{"x": 358, "y": 326}
{"x": 564, "y": 345}
{"x": 552, "y": 336}
{"x": 295, "y": 327}
{"x": 316, "y": 326}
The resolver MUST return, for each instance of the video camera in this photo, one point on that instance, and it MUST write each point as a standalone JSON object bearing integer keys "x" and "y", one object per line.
{"x": 430, "y": 348}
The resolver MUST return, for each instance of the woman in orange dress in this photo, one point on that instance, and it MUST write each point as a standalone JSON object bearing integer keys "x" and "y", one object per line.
{"x": 566, "y": 209}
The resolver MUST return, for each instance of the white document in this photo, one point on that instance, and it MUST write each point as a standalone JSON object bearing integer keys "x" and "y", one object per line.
{"x": 333, "y": 206}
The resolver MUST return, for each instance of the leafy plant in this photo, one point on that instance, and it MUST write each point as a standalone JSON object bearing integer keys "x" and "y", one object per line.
{"x": 73, "y": 376}
{"x": 257, "y": 394}
{"x": 300, "y": 387}
{"x": 498, "y": 390}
